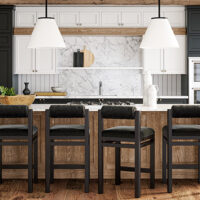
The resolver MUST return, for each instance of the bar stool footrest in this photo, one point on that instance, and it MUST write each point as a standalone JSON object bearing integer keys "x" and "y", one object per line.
{"x": 132, "y": 169}
{"x": 68, "y": 166}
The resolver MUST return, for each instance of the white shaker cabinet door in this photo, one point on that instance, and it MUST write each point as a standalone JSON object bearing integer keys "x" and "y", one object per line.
{"x": 25, "y": 18}
{"x": 111, "y": 19}
{"x": 130, "y": 18}
{"x": 175, "y": 59}
{"x": 45, "y": 61}
{"x": 152, "y": 60}
{"x": 69, "y": 19}
{"x": 89, "y": 19}
{"x": 24, "y": 58}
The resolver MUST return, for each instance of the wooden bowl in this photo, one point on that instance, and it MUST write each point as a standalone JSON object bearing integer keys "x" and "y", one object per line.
{"x": 17, "y": 100}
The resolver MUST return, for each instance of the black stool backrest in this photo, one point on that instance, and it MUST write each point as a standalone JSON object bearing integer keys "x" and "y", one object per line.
{"x": 67, "y": 111}
{"x": 13, "y": 111}
{"x": 118, "y": 112}
{"x": 186, "y": 111}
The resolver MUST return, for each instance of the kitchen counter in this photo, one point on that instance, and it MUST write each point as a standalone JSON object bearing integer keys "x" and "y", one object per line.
{"x": 107, "y": 97}
{"x": 160, "y": 107}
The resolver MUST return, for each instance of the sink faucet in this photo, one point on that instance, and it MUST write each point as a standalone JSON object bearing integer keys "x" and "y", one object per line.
{"x": 100, "y": 88}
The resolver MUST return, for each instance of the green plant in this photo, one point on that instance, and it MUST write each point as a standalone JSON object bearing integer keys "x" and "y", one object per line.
{"x": 7, "y": 91}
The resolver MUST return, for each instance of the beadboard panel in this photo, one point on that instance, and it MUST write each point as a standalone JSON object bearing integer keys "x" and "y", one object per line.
{"x": 169, "y": 85}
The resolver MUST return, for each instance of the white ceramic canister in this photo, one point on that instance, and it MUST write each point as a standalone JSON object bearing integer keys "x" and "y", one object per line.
{"x": 152, "y": 95}
{"x": 147, "y": 81}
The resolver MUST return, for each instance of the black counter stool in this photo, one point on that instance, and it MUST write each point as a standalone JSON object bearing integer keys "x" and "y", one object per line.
{"x": 14, "y": 132}
{"x": 172, "y": 133}
{"x": 112, "y": 137}
{"x": 67, "y": 132}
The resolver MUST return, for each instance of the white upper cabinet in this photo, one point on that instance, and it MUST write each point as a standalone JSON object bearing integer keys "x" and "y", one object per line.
{"x": 88, "y": 19}
{"x": 24, "y": 58}
{"x": 32, "y": 61}
{"x": 167, "y": 61}
{"x": 45, "y": 61}
{"x": 176, "y": 15}
{"x": 25, "y": 18}
{"x": 69, "y": 19}
{"x": 119, "y": 16}
{"x": 130, "y": 17}
{"x": 175, "y": 59}
{"x": 110, "y": 18}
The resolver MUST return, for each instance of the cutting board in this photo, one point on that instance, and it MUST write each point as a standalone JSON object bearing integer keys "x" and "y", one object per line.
{"x": 88, "y": 57}
{"x": 50, "y": 93}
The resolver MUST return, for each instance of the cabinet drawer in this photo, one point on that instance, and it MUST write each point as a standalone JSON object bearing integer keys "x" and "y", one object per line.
{"x": 25, "y": 19}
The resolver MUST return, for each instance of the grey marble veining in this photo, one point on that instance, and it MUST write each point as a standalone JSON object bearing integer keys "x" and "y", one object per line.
{"x": 108, "y": 51}
{"x": 115, "y": 82}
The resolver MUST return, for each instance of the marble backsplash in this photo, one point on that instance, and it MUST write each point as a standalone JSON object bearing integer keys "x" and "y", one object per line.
{"x": 108, "y": 51}
{"x": 114, "y": 82}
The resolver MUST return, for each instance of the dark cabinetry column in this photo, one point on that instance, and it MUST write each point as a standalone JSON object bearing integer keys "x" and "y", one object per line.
{"x": 6, "y": 34}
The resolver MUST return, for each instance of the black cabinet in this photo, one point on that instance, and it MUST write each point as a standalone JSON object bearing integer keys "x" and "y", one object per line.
{"x": 6, "y": 34}
{"x": 193, "y": 30}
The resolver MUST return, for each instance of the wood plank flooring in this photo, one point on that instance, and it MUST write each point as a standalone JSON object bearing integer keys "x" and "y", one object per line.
{"x": 73, "y": 190}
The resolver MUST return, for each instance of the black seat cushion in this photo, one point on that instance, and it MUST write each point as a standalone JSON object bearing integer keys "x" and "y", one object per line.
{"x": 127, "y": 132}
{"x": 16, "y": 130}
{"x": 183, "y": 130}
{"x": 67, "y": 130}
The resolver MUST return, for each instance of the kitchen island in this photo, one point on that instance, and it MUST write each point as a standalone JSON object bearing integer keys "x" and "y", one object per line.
{"x": 155, "y": 118}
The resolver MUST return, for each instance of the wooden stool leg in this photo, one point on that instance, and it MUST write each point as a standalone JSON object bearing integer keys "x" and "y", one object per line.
{"x": 164, "y": 161}
{"x": 36, "y": 160}
{"x": 51, "y": 163}
{"x": 30, "y": 164}
{"x": 117, "y": 165}
{"x": 169, "y": 183}
{"x": 152, "y": 163}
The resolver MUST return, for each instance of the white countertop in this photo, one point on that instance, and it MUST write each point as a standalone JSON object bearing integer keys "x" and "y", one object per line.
{"x": 160, "y": 107}
{"x": 107, "y": 97}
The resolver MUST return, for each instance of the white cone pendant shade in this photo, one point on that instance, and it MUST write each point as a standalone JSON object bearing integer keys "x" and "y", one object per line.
{"x": 46, "y": 35}
{"x": 159, "y": 35}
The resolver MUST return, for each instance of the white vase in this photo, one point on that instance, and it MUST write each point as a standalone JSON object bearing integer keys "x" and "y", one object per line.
{"x": 152, "y": 95}
{"x": 147, "y": 82}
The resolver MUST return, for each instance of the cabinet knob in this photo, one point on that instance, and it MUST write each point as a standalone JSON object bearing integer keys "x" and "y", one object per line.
{"x": 36, "y": 71}
{"x": 122, "y": 24}
{"x": 163, "y": 70}
{"x": 33, "y": 70}
{"x": 119, "y": 24}
{"x": 80, "y": 24}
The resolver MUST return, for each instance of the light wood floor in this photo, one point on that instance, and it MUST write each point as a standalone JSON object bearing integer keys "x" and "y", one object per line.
{"x": 73, "y": 190}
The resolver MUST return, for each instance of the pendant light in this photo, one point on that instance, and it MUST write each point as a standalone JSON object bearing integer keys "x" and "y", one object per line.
{"x": 46, "y": 33}
{"x": 159, "y": 34}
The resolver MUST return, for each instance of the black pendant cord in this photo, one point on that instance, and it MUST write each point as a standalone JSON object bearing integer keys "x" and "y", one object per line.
{"x": 158, "y": 8}
{"x": 46, "y": 9}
